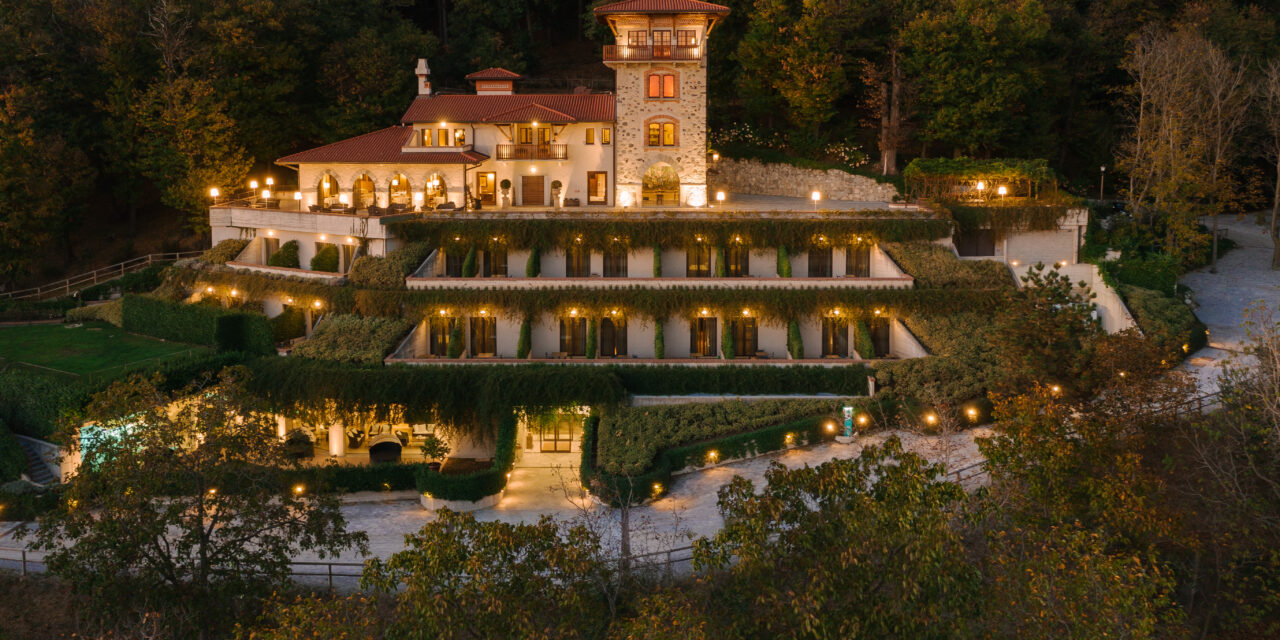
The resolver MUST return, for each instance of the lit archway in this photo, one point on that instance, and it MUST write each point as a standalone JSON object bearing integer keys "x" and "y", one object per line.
{"x": 435, "y": 191}
{"x": 328, "y": 191}
{"x": 660, "y": 186}
{"x": 399, "y": 192}
{"x": 362, "y": 192}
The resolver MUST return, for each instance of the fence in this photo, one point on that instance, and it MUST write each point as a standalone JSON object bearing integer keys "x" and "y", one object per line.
{"x": 66, "y": 286}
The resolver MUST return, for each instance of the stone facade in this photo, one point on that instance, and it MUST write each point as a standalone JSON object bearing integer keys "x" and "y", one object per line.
{"x": 688, "y": 110}
{"x": 753, "y": 176}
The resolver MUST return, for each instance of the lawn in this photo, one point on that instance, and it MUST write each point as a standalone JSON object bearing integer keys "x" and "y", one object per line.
{"x": 91, "y": 348}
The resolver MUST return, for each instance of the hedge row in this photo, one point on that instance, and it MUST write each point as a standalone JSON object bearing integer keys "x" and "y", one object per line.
{"x": 18, "y": 311}
{"x": 111, "y": 311}
{"x": 480, "y": 484}
{"x": 1158, "y": 272}
{"x": 630, "y": 437}
{"x": 351, "y": 478}
{"x": 228, "y": 330}
{"x": 388, "y": 272}
{"x": 137, "y": 282}
{"x": 224, "y": 251}
{"x": 1165, "y": 319}
{"x": 654, "y": 482}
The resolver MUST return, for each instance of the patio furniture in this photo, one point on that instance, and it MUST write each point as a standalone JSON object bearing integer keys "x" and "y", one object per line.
{"x": 446, "y": 206}
{"x": 314, "y": 208}
{"x": 355, "y": 438}
{"x": 385, "y": 447}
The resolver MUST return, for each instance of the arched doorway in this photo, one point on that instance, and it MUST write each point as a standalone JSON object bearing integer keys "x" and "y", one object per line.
{"x": 660, "y": 186}
{"x": 327, "y": 191}
{"x": 399, "y": 192}
{"x": 362, "y": 192}
{"x": 435, "y": 191}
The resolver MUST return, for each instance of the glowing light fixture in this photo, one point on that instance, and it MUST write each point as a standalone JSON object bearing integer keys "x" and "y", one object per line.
{"x": 266, "y": 194}
{"x": 297, "y": 195}
{"x": 270, "y": 181}
{"x": 214, "y": 193}
{"x": 253, "y": 184}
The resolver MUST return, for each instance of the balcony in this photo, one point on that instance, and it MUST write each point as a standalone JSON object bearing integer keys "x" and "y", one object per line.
{"x": 532, "y": 152}
{"x": 646, "y": 53}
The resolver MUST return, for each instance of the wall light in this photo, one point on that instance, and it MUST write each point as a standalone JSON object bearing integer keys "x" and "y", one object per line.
{"x": 297, "y": 195}
{"x": 746, "y": 313}
{"x": 703, "y": 312}
{"x": 208, "y": 289}
{"x": 442, "y": 313}
{"x": 270, "y": 233}
{"x": 323, "y": 237}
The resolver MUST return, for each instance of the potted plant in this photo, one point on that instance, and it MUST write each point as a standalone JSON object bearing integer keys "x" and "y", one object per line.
{"x": 555, "y": 193}
{"x": 505, "y": 185}
{"x": 434, "y": 449}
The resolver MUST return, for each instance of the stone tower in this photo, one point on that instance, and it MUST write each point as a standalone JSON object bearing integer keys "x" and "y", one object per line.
{"x": 660, "y": 60}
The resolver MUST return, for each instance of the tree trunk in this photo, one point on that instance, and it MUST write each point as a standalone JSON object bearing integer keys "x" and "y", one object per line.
{"x": 890, "y": 116}
{"x": 624, "y": 538}
{"x": 1275, "y": 231}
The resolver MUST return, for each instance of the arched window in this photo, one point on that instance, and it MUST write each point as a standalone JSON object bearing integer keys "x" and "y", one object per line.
{"x": 435, "y": 190}
{"x": 327, "y": 190}
{"x": 662, "y": 133}
{"x": 362, "y": 192}
{"x": 661, "y": 84}
{"x": 399, "y": 192}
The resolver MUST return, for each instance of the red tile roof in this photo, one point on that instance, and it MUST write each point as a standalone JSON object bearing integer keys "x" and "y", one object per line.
{"x": 383, "y": 145}
{"x": 494, "y": 73}
{"x": 661, "y": 6}
{"x": 582, "y": 107}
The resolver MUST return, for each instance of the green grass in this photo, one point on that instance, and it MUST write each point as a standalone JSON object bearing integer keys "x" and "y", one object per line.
{"x": 93, "y": 348}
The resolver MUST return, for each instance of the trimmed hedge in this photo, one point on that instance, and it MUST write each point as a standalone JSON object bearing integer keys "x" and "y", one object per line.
{"x": 630, "y": 437}
{"x": 142, "y": 281}
{"x": 45, "y": 310}
{"x": 286, "y": 256}
{"x": 224, "y": 251}
{"x": 13, "y": 462}
{"x": 345, "y": 478}
{"x": 844, "y": 380}
{"x": 937, "y": 267}
{"x": 480, "y": 484}
{"x": 347, "y": 338}
{"x": 389, "y": 272}
{"x": 1158, "y": 272}
{"x": 654, "y": 482}
{"x": 1166, "y": 320}
{"x": 290, "y": 324}
{"x": 225, "y": 329}
{"x": 111, "y": 311}
{"x": 326, "y": 259}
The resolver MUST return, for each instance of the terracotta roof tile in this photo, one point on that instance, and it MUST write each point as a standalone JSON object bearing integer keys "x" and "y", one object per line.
{"x": 531, "y": 113}
{"x": 582, "y": 107}
{"x": 661, "y": 6}
{"x": 384, "y": 145}
{"x": 494, "y": 73}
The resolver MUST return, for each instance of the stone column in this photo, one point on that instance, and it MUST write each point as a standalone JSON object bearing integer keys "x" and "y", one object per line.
{"x": 282, "y": 426}
{"x": 337, "y": 440}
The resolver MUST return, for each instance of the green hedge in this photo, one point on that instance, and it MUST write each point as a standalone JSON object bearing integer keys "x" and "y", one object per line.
{"x": 1157, "y": 272}
{"x": 937, "y": 267}
{"x": 111, "y": 311}
{"x": 326, "y": 258}
{"x": 351, "y": 478}
{"x": 21, "y": 310}
{"x": 1165, "y": 319}
{"x": 13, "y": 462}
{"x": 228, "y": 330}
{"x": 290, "y": 324}
{"x": 654, "y": 482}
{"x": 23, "y": 502}
{"x": 479, "y": 484}
{"x": 224, "y": 251}
{"x": 286, "y": 256}
{"x": 630, "y": 437}
{"x": 142, "y": 281}
{"x": 388, "y": 272}
{"x": 347, "y": 338}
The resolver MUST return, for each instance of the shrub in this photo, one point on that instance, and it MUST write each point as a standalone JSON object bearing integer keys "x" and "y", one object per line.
{"x": 224, "y": 251}
{"x": 1158, "y": 272}
{"x": 24, "y": 501}
{"x": 290, "y": 324}
{"x": 35, "y": 405}
{"x": 591, "y": 339}
{"x": 534, "y": 266}
{"x": 326, "y": 258}
{"x": 46, "y": 310}
{"x": 286, "y": 256}
{"x": 657, "y": 261}
{"x": 228, "y": 330}
{"x": 142, "y": 281}
{"x": 348, "y": 338}
{"x": 862, "y": 340}
{"x": 935, "y": 266}
{"x": 346, "y": 478}
{"x": 389, "y": 272}
{"x": 719, "y": 259}
{"x": 469, "y": 263}
{"x": 456, "y": 341}
{"x": 111, "y": 311}
{"x": 946, "y": 379}
{"x": 795, "y": 344}
{"x": 630, "y": 437}
{"x": 13, "y": 462}
{"x": 726, "y": 343}
{"x": 477, "y": 485}
{"x": 525, "y": 344}
{"x": 1165, "y": 320}
{"x": 784, "y": 263}
{"x": 659, "y": 341}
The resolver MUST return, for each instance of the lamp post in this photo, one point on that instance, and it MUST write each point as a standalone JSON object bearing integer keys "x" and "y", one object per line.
{"x": 1102, "y": 179}
{"x": 1002, "y": 191}
{"x": 720, "y": 199}
{"x": 815, "y": 196}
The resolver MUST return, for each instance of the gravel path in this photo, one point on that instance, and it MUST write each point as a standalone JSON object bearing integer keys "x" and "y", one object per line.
{"x": 1244, "y": 277}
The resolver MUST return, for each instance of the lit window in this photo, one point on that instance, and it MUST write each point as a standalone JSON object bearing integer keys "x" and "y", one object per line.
{"x": 661, "y": 134}
{"x": 591, "y": 135}
{"x": 459, "y": 136}
{"x": 668, "y": 135}
{"x": 661, "y": 85}
{"x": 606, "y": 135}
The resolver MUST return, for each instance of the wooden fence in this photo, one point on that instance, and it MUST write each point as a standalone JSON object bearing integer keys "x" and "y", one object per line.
{"x": 67, "y": 286}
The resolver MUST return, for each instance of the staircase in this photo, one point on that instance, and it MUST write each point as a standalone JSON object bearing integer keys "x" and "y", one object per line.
{"x": 37, "y": 468}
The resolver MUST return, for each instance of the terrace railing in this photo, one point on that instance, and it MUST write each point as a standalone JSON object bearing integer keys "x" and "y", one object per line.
{"x": 67, "y": 286}
{"x": 532, "y": 152}
{"x": 644, "y": 53}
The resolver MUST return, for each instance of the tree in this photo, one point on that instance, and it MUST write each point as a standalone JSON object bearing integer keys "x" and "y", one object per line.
{"x": 1226, "y": 105}
{"x": 369, "y": 79}
{"x": 1269, "y": 93}
{"x": 1045, "y": 330}
{"x": 459, "y": 578}
{"x": 852, "y": 548}
{"x": 183, "y": 506}
{"x": 974, "y": 63}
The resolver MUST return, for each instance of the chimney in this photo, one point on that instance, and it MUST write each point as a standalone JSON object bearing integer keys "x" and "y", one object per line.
{"x": 424, "y": 72}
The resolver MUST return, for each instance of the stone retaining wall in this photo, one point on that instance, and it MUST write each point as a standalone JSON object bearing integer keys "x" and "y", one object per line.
{"x": 755, "y": 177}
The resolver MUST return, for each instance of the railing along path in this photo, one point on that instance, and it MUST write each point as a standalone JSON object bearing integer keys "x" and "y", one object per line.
{"x": 67, "y": 286}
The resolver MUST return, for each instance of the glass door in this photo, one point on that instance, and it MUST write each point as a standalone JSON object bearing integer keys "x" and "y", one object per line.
{"x": 484, "y": 187}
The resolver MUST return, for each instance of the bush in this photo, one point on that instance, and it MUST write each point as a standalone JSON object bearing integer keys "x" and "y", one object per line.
{"x": 657, "y": 261}
{"x": 348, "y": 338}
{"x": 936, "y": 267}
{"x": 1165, "y": 320}
{"x": 111, "y": 311}
{"x": 18, "y": 311}
{"x": 286, "y": 256}
{"x": 456, "y": 341}
{"x": 480, "y": 484}
{"x": 224, "y": 251}
{"x": 795, "y": 343}
{"x": 1158, "y": 272}
{"x": 469, "y": 263}
{"x": 326, "y": 258}
{"x": 659, "y": 341}
{"x": 389, "y": 272}
{"x": 591, "y": 339}
{"x": 143, "y": 281}
{"x": 534, "y": 266}
{"x": 226, "y": 329}
{"x": 525, "y": 344}
{"x": 34, "y": 405}
{"x": 630, "y": 437}
{"x": 290, "y": 324}
{"x": 345, "y": 478}
{"x": 13, "y": 462}
{"x": 946, "y": 379}
{"x": 784, "y": 263}
{"x": 24, "y": 501}
{"x": 862, "y": 340}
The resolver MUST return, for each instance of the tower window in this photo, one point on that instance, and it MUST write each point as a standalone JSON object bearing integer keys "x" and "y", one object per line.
{"x": 661, "y": 85}
{"x": 662, "y": 134}
{"x": 591, "y": 135}
{"x": 606, "y": 135}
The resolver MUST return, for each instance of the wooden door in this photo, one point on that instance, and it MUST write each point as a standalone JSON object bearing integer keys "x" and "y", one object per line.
{"x": 531, "y": 191}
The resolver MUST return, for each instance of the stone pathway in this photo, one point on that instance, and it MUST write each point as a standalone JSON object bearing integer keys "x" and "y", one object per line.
{"x": 1244, "y": 277}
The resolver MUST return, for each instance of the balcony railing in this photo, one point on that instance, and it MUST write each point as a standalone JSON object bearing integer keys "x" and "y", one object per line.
{"x": 533, "y": 152}
{"x": 629, "y": 53}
